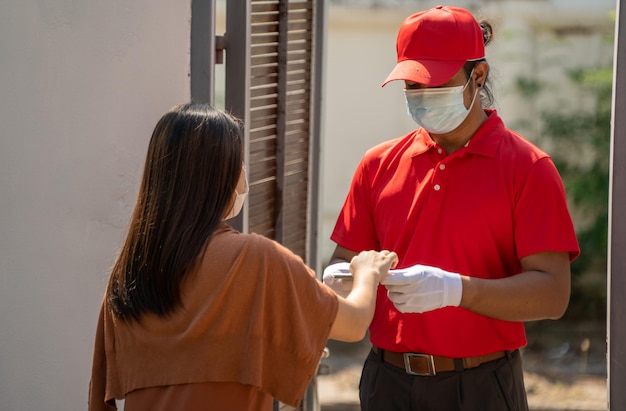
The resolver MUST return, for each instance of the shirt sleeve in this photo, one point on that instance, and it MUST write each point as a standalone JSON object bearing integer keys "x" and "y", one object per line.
{"x": 541, "y": 218}
{"x": 355, "y": 227}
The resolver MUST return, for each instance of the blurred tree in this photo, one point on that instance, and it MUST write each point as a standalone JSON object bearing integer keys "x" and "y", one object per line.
{"x": 580, "y": 141}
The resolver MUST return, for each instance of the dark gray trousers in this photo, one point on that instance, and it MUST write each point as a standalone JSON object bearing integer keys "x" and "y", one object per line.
{"x": 494, "y": 386}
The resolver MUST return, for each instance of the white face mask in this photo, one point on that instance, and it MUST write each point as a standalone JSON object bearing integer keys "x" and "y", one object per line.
{"x": 240, "y": 198}
{"x": 438, "y": 110}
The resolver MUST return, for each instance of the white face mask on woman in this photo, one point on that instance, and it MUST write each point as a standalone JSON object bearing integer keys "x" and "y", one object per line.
{"x": 438, "y": 110}
{"x": 240, "y": 198}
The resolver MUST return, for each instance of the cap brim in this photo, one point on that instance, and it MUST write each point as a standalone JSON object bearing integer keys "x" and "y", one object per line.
{"x": 430, "y": 73}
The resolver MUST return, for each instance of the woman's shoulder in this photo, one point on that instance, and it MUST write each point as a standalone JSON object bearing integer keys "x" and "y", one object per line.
{"x": 251, "y": 245}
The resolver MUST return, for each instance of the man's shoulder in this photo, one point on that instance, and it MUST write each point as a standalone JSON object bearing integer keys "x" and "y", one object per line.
{"x": 394, "y": 146}
{"x": 517, "y": 147}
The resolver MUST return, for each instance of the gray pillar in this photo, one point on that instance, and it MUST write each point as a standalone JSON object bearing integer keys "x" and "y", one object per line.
{"x": 203, "y": 57}
{"x": 238, "y": 78}
{"x": 617, "y": 226}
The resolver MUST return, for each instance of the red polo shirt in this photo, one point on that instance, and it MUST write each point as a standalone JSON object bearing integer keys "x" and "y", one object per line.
{"x": 476, "y": 212}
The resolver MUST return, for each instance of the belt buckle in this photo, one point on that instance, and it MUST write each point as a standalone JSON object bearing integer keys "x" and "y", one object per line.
{"x": 430, "y": 362}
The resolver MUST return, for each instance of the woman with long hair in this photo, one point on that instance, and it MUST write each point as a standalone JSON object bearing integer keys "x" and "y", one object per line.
{"x": 199, "y": 316}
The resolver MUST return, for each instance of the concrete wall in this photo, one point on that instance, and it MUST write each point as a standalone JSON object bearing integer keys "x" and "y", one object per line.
{"x": 534, "y": 39}
{"x": 81, "y": 86}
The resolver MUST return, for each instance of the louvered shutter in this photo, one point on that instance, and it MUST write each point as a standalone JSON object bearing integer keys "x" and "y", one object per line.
{"x": 272, "y": 72}
{"x": 273, "y": 82}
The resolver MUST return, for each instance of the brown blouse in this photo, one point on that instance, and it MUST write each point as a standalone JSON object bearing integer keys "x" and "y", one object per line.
{"x": 254, "y": 324}
{"x": 201, "y": 396}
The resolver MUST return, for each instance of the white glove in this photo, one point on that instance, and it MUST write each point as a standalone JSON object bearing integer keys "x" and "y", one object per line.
{"x": 422, "y": 288}
{"x": 336, "y": 272}
{"x": 339, "y": 278}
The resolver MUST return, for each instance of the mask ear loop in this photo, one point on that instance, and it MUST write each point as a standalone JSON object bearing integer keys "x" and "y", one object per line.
{"x": 475, "y": 94}
{"x": 245, "y": 177}
{"x": 478, "y": 85}
{"x": 469, "y": 78}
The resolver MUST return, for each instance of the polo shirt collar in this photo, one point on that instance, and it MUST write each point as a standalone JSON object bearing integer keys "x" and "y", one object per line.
{"x": 485, "y": 141}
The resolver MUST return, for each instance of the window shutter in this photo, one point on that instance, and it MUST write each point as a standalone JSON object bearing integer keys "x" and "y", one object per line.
{"x": 272, "y": 67}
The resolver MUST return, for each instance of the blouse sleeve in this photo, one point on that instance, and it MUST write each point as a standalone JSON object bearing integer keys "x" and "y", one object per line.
{"x": 299, "y": 312}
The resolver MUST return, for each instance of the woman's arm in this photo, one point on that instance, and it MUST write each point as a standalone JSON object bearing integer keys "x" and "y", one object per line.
{"x": 355, "y": 312}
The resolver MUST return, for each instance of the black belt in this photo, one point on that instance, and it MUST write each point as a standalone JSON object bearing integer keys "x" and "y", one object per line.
{"x": 428, "y": 365}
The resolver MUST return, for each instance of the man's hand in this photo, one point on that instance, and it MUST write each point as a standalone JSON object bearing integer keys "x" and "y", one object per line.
{"x": 338, "y": 277}
{"x": 423, "y": 288}
{"x": 337, "y": 272}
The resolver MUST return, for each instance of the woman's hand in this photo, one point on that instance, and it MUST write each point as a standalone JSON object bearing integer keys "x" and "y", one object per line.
{"x": 377, "y": 263}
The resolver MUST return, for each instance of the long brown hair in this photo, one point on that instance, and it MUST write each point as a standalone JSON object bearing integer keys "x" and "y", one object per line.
{"x": 192, "y": 167}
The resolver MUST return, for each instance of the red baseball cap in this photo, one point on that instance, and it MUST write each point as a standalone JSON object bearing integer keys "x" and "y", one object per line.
{"x": 433, "y": 45}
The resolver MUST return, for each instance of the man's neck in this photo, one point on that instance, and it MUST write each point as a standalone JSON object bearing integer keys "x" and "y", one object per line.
{"x": 461, "y": 136}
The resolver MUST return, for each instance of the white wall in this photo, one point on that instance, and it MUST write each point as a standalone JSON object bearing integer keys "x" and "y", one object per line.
{"x": 358, "y": 112}
{"x": 81, "y": 86}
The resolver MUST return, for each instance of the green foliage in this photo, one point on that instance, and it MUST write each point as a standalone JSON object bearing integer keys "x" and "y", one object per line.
{"x": 581, "y": 139}
{"x": 527, "y": 87}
